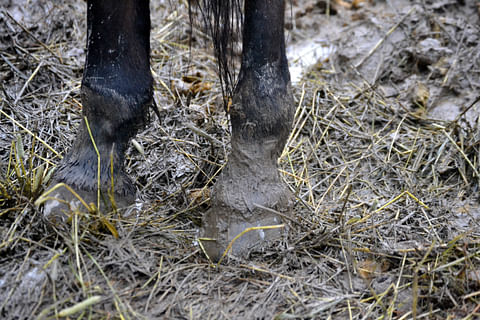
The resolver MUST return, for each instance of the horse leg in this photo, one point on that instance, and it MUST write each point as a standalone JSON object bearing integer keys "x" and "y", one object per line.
{"x": 261, "y": 117}
{"x": 116, "y": 93}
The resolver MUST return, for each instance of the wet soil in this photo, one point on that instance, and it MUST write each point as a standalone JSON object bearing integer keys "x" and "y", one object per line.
{"x": 383, "y": 161}
{"x": 422, "y": 54}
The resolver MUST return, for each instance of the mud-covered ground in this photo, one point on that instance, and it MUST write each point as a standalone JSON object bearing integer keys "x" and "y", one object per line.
{"x": 383, "y": 159}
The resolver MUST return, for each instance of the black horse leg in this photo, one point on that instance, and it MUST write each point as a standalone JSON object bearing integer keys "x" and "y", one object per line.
{"x": 116, "y": 92}
{"x": 261, "y": 116}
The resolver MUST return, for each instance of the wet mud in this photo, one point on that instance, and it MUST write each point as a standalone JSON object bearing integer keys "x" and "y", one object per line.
{"x": 382, "y": 163}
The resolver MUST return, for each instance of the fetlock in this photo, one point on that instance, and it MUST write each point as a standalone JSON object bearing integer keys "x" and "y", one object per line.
{"x": 110, "y": 120}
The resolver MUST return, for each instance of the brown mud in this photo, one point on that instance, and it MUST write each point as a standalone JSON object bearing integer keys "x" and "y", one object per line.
{"x": 383, "y": 161}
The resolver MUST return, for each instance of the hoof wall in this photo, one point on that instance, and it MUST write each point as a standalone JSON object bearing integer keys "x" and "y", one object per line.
{"x": 230, "y": 234}
{"x": 59, "y": 202}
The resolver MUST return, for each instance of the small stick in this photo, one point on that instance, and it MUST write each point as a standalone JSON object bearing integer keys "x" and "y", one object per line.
{"x": 204, "y": 134}
{"x": 466, "y": 110}
{"x": 31, "y": 35}
{"x": 379, "y": 43}
{"x": 81, "y": 306}
{"x": 34, "y": 73}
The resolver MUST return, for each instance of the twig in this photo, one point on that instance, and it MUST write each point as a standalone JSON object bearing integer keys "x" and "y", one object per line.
{"x": 379, "y": 43}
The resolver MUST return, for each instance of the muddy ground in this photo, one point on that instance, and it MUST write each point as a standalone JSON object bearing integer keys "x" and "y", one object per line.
{"x": 383, "y": 160}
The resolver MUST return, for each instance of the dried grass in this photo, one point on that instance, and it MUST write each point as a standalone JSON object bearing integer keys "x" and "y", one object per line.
{"x": 385, "y": 226}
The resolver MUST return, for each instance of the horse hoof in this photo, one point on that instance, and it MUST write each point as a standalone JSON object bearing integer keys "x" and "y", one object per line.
{"x": 61, "y": 201}
{"x": 249, "y": 204}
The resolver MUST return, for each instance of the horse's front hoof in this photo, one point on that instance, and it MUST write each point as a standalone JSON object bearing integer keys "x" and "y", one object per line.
{"x": 249, "y": 204}
{"x": 61, "y": 200}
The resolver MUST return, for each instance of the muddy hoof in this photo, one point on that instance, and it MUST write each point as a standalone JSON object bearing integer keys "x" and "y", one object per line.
{"x": 246, "y": 196}
{"x": 75, "y": 182}
{"x": 60, "y": 202}
{"x": 222, "y": 225}
{"x": 74, "y": 188}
